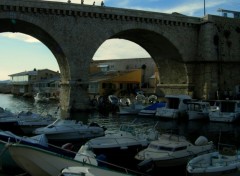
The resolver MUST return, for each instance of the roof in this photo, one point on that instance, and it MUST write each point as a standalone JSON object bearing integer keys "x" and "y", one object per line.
{"x": 24, "y": 73}
{"x": 32, "y": 72}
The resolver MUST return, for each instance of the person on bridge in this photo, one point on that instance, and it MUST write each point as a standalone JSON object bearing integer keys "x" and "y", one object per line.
{"x": 102, "y": 3}
{"x": 94, "y": 3}
{"x": 82, "y": 1}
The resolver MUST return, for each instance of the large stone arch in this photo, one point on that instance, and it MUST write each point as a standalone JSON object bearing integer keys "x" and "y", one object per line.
{"x": 10, "y": 25}
{"x": 165, "y": 50}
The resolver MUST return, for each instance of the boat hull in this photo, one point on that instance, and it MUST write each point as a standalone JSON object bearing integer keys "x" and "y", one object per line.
{"x": 7, "y": 164}
{"x": 197, "y": 115}
{"x": 214, "y": 164}
{"x": 224, "y": 117}
{"x": 39, "y": 162}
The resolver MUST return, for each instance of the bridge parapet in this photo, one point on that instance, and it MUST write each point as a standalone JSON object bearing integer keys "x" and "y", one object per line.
{"x": 90, "y": 11}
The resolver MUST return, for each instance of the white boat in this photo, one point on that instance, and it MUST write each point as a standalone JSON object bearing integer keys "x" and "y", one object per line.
{"x": 63, "y": 130}
{"x": 28, "y": 126}
{"x": 120, "y": 146}
{"x": 25, "y": 122}
{"x": 39, "y": 162}
{"x": 176, "y": 107}
{"x": 151, "y": 109}
{"x": 225, "y": 161}
{"x": 228, "y": 111}
{"x": 7, "y": 138}
{"x": 172, "y": 150}
{"x": 198, "y": 110}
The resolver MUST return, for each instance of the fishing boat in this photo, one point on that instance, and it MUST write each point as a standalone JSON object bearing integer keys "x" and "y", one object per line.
{"x": 175, "y": 108}
{"x": 225, "y": 161}
{"x": 64, "y": 130}
{"x": 172, "y": 150}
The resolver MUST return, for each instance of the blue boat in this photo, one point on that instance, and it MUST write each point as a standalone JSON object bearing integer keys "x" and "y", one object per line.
{"x": 151, "y": 109}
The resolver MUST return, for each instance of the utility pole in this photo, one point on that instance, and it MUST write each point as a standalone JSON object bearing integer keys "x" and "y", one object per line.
{"x": 204, "y": 7}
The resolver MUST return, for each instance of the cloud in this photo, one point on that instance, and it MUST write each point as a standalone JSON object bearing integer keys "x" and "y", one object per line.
{"x": 186, "y": 7}
{"x": 190, "y": 8}
{"x": 119, "y": 49}
{"x": 20, "y": 36}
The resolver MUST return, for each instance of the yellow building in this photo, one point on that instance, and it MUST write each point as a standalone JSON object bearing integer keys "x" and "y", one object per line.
{"x": 115, "y": 82}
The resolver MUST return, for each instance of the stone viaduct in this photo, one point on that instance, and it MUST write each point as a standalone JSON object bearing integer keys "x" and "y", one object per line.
{"x": 196, "y": 56}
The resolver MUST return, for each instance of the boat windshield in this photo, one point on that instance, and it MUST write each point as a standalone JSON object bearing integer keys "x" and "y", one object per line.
{"x": 127, "y": 128}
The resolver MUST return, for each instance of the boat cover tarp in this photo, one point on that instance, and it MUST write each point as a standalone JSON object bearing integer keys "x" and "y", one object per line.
{"x": 155, "y": 106}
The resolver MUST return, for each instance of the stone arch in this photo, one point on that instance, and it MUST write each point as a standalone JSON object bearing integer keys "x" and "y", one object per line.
{"x": 28, "y": 28}
{"x": 162, "y": 48}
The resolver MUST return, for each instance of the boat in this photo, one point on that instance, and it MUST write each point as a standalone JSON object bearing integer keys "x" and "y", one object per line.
{"x": 172, "y": 150}
{"x": 175, "y": 108}
{"x": 25, "y": 122}
{"x": 8, "y": 165}
{"x": 225, "y": 161}
{"x": 28, "y": 126}
{"x": 132, "y": 107}
{"x": 198, "y": 110}
{"x": 38, "y": 162}
{"x": 65, "y": 130}
{"x": 151, "y": 109}
{"x": 107, "y": 104}
{"x": 120, "y": 146}
{"x": 228, "y": 111}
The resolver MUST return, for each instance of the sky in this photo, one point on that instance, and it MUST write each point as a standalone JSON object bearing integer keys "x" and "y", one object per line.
{"x": 20, "y": 52}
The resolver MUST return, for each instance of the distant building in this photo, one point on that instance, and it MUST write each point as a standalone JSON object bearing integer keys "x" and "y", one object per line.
{"x": 116, "y": 76}
{"x": 30, "y": 82}
{"x": 123, "y": 76}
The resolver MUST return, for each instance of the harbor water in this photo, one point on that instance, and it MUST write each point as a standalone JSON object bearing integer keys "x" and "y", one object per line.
{"x": 214, "y": 131}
